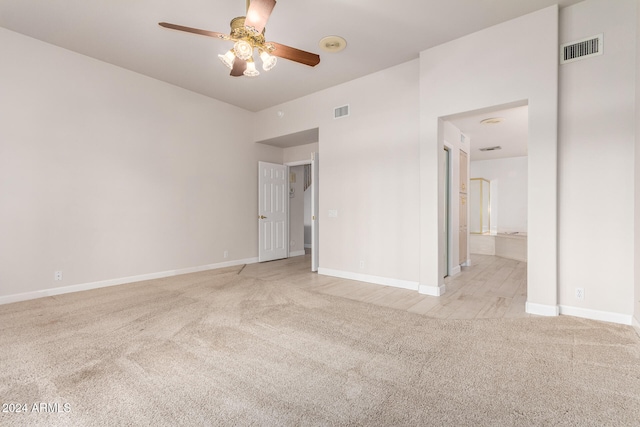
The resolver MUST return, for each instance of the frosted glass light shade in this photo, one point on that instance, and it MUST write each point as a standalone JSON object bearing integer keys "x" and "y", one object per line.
{"x": 227, "y": 59}
{"x": 268, "y": 61}
{"x": 243, "y": 49}
{"x": 251, "y": 70}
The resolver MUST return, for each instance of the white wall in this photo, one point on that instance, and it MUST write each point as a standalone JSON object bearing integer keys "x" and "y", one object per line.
{"x": 596, "y": 165}
{"x": 296, "y": 212}
{"x": 106, "y": 174}
{"x": 368, "y": 172}
{"x": 509, "y": 186}
{"x": 300, "y": 152}
{"x": 504, "y": 64}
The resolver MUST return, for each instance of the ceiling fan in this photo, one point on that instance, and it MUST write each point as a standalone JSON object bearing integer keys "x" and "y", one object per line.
{"x": 248, "y": 35}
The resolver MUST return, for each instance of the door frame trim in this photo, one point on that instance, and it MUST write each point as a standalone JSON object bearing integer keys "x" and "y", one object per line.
{"x": 449, "y": 235}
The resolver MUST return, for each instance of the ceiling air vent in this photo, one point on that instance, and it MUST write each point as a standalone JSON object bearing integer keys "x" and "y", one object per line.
{"x": 581, "y": 49}
{"x": 340, "y": 112}
{"x": 497, "y": 147}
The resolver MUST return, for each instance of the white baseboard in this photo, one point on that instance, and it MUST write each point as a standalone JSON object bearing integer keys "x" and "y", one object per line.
{"x": 307, "y": 245}
{"x": 296, "y": 253}
{"x": 542, "y": 309}
{"x": 606, "y": 316}
{"x": 636, "y": 325}
{"x": 434, "y": 291}
{"x": 455, "y": 270}
{"x": 8, "y": 299}
{"x": 386, "y": 281}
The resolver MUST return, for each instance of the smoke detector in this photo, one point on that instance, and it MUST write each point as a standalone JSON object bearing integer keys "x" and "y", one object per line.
{"x": 332, "y": 44}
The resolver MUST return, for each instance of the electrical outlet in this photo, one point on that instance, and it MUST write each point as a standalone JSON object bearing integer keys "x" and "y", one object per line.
{"x": 57, "y": 275}
{"x": 362, "y": 264}
{"x": 226, "y": 254}
{"x": 580, "y": 293}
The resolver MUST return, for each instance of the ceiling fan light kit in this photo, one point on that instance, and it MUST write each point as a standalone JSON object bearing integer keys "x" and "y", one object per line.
{"x": 268, "y": 61}
{"x": 243, "y": 49}
{"x": 251, "y": 69}
{"x": 247, "y": 33}
{"x": 227, "y": 59}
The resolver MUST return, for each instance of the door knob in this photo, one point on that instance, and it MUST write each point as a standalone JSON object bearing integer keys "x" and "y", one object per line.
{"x": 262, "y": 217}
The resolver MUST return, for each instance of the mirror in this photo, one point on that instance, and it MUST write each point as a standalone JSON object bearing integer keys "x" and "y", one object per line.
{"x": 479, "y": 206}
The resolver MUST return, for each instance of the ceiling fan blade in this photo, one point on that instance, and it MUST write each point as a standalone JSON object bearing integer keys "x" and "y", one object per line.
{"x": 258, "y": 14}
{"x": 293, "y": 54}
{"x": 193, "y": 30}
{"x": 239, "y": 65}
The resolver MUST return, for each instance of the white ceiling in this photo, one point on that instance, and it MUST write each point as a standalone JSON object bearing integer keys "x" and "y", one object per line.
{"x": 511, "y": 134}
{"x": 379, "y": 34}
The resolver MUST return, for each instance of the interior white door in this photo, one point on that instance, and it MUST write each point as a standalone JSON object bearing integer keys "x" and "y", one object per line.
{"x": 273, "y": 193}
{"x": 314, "y": 212}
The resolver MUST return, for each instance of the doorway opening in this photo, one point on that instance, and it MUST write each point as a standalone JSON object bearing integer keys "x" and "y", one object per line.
{"x": 299, "y": 232}
{"x": 303, "y": 221}
{"x": 498, "y": 188}
{"x": 299, "y": 209}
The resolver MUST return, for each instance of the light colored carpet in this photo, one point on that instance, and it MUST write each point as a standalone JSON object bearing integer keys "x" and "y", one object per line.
{"x": 218, "y": 348}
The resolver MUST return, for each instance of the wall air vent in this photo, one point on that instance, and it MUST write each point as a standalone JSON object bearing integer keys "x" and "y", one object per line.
{"x": 581, "y": 49}
{"x": 340, "y": 112}
{"x": 497, "y": 147}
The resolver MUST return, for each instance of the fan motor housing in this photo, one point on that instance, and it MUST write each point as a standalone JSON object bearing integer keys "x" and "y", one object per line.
{"x": 241, "y": 32}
